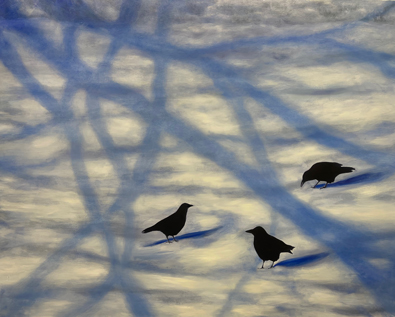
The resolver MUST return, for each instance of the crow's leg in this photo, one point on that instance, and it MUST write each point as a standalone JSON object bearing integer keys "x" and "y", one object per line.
{"x": 272, "y": 265}
{"x": 315, "y": 184}
{"x": 263, "y": 264}
{"x": 325, "y": 185}
{"x": 167, "y": 237}
{"x": 174, "y": 238}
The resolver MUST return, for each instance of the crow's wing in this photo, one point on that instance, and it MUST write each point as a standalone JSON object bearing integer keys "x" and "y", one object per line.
{"x": 161, "y": 225}
{"x": 167, "y": 220}
{"x": 322, "y": 164}
{"x": 276, "y": 244}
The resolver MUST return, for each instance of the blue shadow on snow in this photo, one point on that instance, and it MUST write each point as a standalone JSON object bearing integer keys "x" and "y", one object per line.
{"x": 304, "y": 260}
{"x": 363, "y": 178}
{"x": 192, "y": 235}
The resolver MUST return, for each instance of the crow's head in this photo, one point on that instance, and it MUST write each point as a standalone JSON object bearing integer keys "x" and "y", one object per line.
{"x": 185, "y": 206}
{"x": 306, "y": 177}
{"x": 257, "y": 230}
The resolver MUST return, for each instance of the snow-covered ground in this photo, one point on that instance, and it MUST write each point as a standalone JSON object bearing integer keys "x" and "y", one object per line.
{"x": 113, "y": 113}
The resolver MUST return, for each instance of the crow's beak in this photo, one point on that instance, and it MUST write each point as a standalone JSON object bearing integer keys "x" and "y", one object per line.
{"x": 301, "y": 184}
{"x": 249, "y": 231}
{"x": 190, "y": 205}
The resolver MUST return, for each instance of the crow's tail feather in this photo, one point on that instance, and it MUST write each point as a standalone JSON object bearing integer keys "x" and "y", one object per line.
{"x": 153, "y": 228}
{"x": 346, "y": 169}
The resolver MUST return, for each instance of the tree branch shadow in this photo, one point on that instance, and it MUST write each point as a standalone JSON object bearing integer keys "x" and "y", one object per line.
{"x": 270, "y": 189}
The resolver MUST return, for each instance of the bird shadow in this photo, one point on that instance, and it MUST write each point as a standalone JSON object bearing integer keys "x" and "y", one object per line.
{"x": 304, "y": 260}
{"x": 192, "y": 235}
{"x": 359, "y": 179}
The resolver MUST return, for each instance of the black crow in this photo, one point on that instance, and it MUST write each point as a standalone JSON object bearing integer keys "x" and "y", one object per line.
{"x": 267, "y": 246}
{"x": 325, "y": 172}
{"x": 171, "y": 225}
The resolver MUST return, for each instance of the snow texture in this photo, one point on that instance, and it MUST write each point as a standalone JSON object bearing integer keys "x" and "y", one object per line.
{"x": 113, "y": 113}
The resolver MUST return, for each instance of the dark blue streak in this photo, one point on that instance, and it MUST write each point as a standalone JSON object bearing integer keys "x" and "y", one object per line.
{"x": 192, "y": 235}
{"x": 363, "y": 178}
{"x": 304, "y": 260}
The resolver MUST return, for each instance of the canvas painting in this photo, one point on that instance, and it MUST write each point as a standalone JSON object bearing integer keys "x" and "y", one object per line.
{"x": 228, "y": 158}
